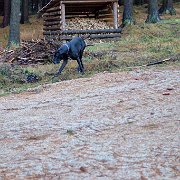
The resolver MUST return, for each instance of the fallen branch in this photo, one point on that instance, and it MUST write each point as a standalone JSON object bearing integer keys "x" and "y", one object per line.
{"x": 158, "y": 62}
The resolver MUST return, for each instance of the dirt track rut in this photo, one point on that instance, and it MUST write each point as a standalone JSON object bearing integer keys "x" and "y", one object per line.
{"x": 111, "y": 126}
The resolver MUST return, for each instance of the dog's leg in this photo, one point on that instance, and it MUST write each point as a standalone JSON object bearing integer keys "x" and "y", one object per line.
{"x": 78, "y": 68}
{"x": 81, "y": 67}
{"x": 81, "y": 60}
{"x": 65, "y": 61}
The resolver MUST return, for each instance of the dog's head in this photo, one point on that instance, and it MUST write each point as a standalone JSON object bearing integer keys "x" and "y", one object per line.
{"x": 58, "y": 56}
{"x": 56, "y": 59}
{"x": 61, "y": 53}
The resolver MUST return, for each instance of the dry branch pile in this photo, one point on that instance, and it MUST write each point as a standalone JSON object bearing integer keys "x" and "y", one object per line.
{"x": 86, "y": 23}
{"x": 30, "y": 52}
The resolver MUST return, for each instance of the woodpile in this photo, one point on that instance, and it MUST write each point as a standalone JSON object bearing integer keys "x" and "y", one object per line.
{"x": 30, "y": 52}
{"x": 97, "y": 29}
{"x": 86, "y": 23}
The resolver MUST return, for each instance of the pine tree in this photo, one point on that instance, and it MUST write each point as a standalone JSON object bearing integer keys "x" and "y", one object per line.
{"x": 153, "y": 14}
{"x": 167, "y": 8}
{"x": 25, "y": 11}
{"x": 128, "y": 18}
{"x": 6, "y": 18}
{"x": 14, "y": 32}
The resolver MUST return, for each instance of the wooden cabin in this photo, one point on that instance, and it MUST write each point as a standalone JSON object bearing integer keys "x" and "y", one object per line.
{"x": 56, "y": 12}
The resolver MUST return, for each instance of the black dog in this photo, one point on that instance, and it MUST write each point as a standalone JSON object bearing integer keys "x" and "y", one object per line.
{"x": 73, "y": 49}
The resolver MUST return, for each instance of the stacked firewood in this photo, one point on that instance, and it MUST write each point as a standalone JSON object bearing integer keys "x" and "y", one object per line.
{"x": 87, "y": 23}
{"x": 30, "y": 52}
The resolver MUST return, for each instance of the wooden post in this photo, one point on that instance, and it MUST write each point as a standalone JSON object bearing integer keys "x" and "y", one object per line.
{"x": 115, "y": 14}
{"x": 63, "y": 16}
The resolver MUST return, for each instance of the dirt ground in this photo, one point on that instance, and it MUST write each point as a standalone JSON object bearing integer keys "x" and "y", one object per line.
{"x": 111, "y": 126}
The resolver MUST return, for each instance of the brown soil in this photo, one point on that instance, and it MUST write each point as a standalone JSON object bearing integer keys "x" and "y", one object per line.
{"x": 111, "y": 126}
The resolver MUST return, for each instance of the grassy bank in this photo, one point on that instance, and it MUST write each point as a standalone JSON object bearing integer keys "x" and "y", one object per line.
{"x": 139, "y": 45}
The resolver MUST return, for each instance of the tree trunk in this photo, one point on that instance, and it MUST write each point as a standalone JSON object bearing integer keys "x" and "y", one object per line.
{"x": 40, "y": 4}
{"x": 167, "y": 8}
{"x": 32, "y": 8}
{"x": 14, "y": 32}
{"x": 2, "y": 8}
{"x": 120, "y": 2}
{"x": 138, "y": 2}
{"x": 36, "y": 7}
{"x": 7, "y": 9}
{"x": 25, "y": 12}
{"x": 128, "y": 13}
{"x": 153, "y": 15}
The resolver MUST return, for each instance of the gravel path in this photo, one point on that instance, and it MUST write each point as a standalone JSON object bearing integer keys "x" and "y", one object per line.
{"x": 111, "y": 126}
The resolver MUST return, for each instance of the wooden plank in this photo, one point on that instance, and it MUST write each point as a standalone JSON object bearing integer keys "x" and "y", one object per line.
{"x": 75, "y": 1}
{"x": 63, "y": 16}
{"x": 46, "y": 23}
{"x": 106, "y": 16}
{"x": 54, "y": 2}
{"x": 97, "y": 31}
{"x": 53, "y": 9}
{"x": 52, "y": 13}
{"x": 53, "y": 28}
{"x": 108, "y": 20}
{"x": 52, "y": 18}
{"x": 94, "y": 36}
{"x": 115, "y": 14}
{"x": 79, "y": 16}
{"x": 47, "y": 6}
{"x": 78, "y": 13}
{"x": 104, "y": 36}
{"x": 88, "y": 1}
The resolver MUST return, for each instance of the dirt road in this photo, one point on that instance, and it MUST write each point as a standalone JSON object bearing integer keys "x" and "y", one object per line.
{"x": 111, "y": 126}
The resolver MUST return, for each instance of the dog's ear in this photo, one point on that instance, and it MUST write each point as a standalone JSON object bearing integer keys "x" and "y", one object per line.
{"x": 62, "y": 50}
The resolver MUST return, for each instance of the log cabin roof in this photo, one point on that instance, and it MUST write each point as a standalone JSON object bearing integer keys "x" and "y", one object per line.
{"x": 89, "y": 5}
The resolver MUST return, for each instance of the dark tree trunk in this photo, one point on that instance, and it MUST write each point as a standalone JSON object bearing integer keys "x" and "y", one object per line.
{"x": 153, "y": 15}
{"x": 138, "y": 2}
{"x": 25, "y": 11}
{"x": 36, "y": 7}
{"x": 44, "y": 2}
{"x": 7, "y": 9}
{"x": 32, "y": 6}
{"x": 14, "y": 32}
{"x": 40, "y": 4}
{"x": 167, "y": 8}
{"x": 2, "y": 8}
{"x": 128, "y": 13}
{"x": 120, "y": 2}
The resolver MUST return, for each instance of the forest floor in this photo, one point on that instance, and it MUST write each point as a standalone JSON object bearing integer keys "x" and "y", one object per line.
{"x": 111, "y": 126}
